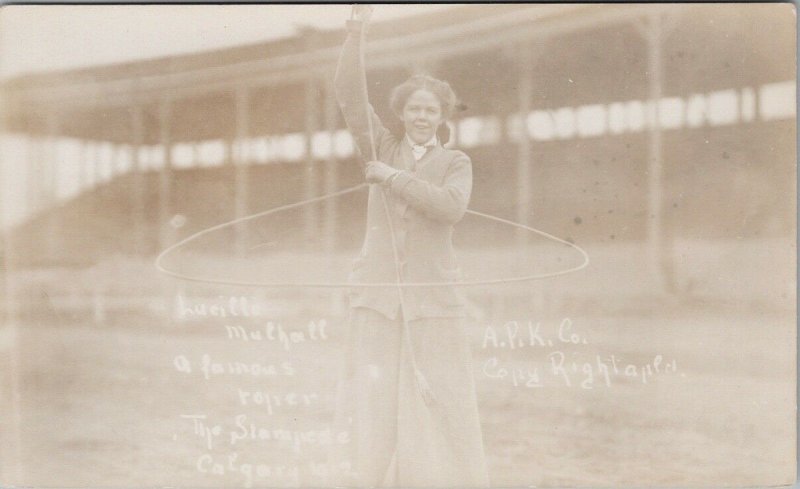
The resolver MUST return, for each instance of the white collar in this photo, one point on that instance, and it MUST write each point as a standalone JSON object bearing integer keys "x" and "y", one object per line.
{"x": 433, "y": 141}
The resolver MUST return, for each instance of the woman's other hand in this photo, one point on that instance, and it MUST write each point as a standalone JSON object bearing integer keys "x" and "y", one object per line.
{"x": 378, "y": 172}
{"x": 362, "y": 12}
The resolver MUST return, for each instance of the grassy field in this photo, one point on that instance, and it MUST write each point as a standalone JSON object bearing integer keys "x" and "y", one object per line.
{"x": 101, "y": 404}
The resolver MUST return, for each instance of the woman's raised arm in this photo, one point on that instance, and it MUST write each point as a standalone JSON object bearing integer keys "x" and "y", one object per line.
{"x": 351, "y": 94}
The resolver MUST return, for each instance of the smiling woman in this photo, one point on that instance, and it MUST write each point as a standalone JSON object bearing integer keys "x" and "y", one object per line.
{"x": 423, "y": 103}
{"x": 407, "y": 395}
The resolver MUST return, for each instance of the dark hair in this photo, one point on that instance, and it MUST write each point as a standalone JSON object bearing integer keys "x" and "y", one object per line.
{"x": 441, "y": 89}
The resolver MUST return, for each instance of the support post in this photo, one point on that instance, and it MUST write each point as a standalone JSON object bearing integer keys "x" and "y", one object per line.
{"x": 331, "y": 170}
{"x": 89, "y": 172}
{"x": 311, "y": 216}
{"x": 50, "y": 182}
{"x": 32, "y": 172}
{"x": 659, "y": 245}
{"x": 82, "y": 180}
{"x": 525, "y": 93}
{"x": 50, "y": 177}
{"x": 241, "y": 163}
{"x": 137, "y": 139}
{"x": 166, "y": 232}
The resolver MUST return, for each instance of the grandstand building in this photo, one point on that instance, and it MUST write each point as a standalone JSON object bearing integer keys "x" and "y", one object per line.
{"x": 599, "y": 123}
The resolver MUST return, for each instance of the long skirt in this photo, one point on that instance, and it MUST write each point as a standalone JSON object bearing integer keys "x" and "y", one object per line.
{"x": 398, "y": 438}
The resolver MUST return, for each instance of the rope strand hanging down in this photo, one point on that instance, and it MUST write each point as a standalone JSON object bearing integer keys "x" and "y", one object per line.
{"x": 422, "y": 384}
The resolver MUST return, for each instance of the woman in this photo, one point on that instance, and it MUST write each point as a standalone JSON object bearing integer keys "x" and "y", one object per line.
{"x": 412, "y": 406}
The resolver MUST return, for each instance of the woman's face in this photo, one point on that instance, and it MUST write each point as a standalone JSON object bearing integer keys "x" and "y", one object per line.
{"x": 422, "y": 116}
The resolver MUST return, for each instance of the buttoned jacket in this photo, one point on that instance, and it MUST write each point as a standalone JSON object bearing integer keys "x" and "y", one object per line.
{"x": 425, "y": 200}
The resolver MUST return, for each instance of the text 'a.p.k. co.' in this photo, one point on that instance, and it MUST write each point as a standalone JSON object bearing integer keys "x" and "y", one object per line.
{"x": 557, "y": 354}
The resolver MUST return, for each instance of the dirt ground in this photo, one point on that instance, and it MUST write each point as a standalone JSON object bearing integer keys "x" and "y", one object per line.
{"x": 101, "y": 404}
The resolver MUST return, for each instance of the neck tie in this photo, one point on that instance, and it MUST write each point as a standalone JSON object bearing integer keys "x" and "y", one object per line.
{"x": 419, "y": 151}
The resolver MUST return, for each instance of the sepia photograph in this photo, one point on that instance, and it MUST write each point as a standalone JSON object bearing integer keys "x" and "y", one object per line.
{"x": 398, "y": 245}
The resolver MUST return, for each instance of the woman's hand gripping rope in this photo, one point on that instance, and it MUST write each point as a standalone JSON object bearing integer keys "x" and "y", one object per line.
{"x": 379, "y": 172}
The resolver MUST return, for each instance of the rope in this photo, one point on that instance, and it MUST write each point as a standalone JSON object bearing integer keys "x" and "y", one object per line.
{"x": 421, "y": 382}
{"x": 336, "y": 285}
{"x": 159, "y": 260}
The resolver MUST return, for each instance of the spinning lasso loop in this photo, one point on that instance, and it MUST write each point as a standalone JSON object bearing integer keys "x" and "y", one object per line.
{"x": 466, "y": 283}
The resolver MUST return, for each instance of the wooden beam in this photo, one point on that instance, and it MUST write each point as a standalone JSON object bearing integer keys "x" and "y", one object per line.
{"x": 422, "y": 66}
{"x": 522, "y": 26}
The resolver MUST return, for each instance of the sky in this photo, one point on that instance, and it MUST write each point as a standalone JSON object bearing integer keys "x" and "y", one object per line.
{"x": 52, "y": 37}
